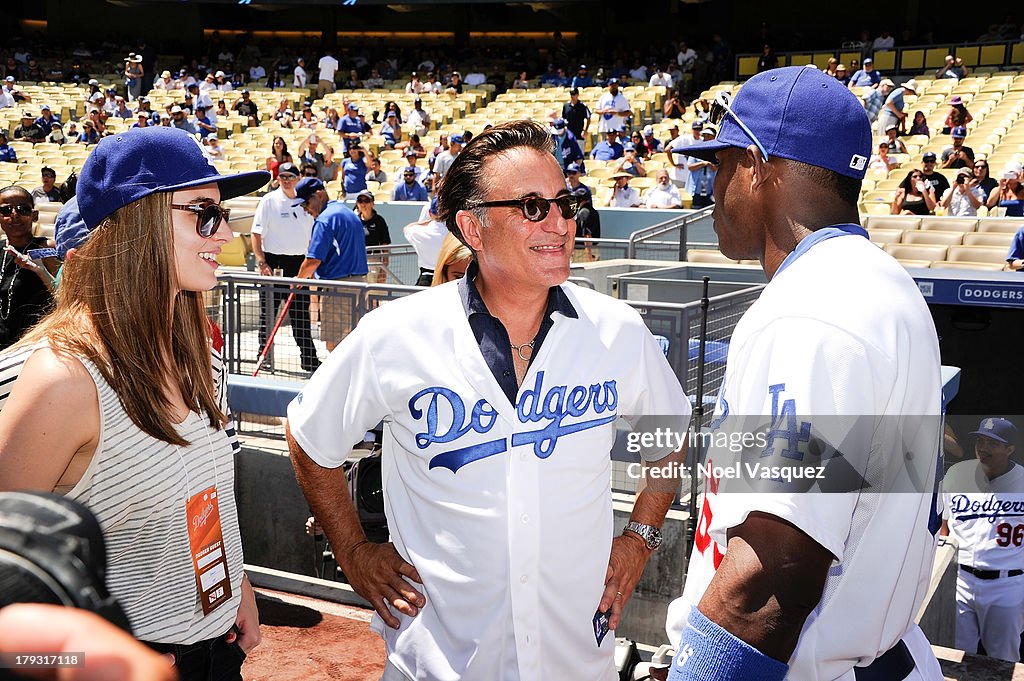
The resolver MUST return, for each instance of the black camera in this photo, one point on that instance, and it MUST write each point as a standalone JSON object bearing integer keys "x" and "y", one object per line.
{"x": 52, "y": 551}
{"x": 960, "y": 179}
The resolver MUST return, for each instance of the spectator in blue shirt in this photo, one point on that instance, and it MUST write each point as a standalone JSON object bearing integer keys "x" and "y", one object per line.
{"x": 866, "y": 76}
{"x": 582, "y": 79}
{"x": 337, "y": 250}
{"x": 350, "y": 127}
{"x": 566, "y": 148}
{"x": 354, "y": 170}
{"x": 410, "y": 189}
{"x": 608, "y": 149}
{"x": 46, "y": 119}
{"x": 7, "y": 153}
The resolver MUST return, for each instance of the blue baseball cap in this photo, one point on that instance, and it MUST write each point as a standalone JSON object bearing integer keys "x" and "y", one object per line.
{"x": 456, "y": 139}
{"x": 69, "y": 230}
{"x": 305, "y": 188}
{"x": 629, "y": 146}
{"x": 959, "y": 132}
{"x": 791, "y": 111}
{"x": 133, "y": 164}
{"x": 998, "y": 429}
{"x": 572, "y": 168}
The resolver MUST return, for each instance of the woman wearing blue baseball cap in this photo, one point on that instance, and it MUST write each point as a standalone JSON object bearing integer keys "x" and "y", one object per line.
{"x": 120, "y": 400}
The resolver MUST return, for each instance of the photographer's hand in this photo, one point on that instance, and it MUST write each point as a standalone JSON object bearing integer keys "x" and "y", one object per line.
{"x": 110, "y": 654}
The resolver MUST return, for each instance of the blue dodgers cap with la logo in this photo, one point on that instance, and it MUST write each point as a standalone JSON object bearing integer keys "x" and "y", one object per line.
{"x": 998, "y": 429}
{"x": 801, "y": 114}
{"x": 133, "y": 164}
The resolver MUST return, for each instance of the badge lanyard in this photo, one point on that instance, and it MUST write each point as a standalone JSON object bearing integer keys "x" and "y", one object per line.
{"x": 206, "y": 538}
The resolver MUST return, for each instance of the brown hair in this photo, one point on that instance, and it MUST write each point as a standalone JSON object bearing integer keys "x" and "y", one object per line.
{"x": 112, "y": 308}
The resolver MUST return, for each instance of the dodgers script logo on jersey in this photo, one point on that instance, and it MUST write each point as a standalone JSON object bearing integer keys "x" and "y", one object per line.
{"x": 447, "y": 419}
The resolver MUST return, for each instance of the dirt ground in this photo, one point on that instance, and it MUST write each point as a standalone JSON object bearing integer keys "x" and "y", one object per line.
{"x": 313, "y": 641}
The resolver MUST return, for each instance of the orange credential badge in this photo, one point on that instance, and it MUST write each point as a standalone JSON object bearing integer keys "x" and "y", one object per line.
{"x": 207, "y": 545}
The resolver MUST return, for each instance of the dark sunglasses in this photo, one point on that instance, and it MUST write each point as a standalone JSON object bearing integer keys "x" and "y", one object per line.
{"x": 535, "y": 208}
{"x": 9, "y": 210}
{"x": 208, "y": 216}
{"x": 363, "y": 199}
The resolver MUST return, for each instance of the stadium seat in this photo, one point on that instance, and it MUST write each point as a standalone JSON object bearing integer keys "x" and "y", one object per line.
{"x": 989, "y": 254}
{"x": 705, "y": 256}
{"x": 934, "y": 237}
{"x": 946, "y": 265}
{"x": 999, "y": 239}
{"x": 234, "y": 253}
{"x": 914, "y": 252}
{"x": 946, "y": 224}
{"x": 1000, "y": 225}
{"x": 899, "y": 222}
{"x": 885, "y": 236}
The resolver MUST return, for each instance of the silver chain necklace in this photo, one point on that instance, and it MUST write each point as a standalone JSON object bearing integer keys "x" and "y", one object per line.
{"x": 519, "y": 350}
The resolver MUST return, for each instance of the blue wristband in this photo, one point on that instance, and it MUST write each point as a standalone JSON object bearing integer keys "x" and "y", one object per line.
{"x": 707, "y": 652}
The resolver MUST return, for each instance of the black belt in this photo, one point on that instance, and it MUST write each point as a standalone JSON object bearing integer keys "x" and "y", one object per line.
{"x": 989, "y": 574}
{"x": 893, "y": 665}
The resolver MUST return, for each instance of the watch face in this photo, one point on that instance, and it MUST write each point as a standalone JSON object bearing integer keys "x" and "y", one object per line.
{"x": 654, "y": 540}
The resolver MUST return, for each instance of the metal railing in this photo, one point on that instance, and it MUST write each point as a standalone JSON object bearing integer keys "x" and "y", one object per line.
{"x": 645, "y": 245}
{"x": 246, "y": 306}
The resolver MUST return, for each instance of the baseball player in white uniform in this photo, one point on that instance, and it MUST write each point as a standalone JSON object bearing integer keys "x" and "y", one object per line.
{"x": 837, "y": 366}
{"x": 985, "y": 515}
{"x": 499, "y": 394}
{"x": 613, "y": 108}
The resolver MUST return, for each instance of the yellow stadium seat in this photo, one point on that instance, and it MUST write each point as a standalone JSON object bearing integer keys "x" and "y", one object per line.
{"x": 989, "y": 254}
{"x": 913, "y": 263}
{"x": 927, "y": 253}
{"x": 949, "y": 224}
{"x": 999, "y": 225}
{"x": 873, "y": 208}
{"x": 933, "y": 237}
{"x": 997, "y": 239}
{"x": 900, "y": 222}
{"x": 885, "y": 236}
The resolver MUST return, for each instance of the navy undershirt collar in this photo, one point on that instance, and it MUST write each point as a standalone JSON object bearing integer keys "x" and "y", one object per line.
{"x": 816, "y": 237}
{"x": 492, "y": 337}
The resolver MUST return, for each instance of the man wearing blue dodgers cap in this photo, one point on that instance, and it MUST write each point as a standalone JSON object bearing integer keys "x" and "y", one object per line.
{"x": 126, "y": 365}
{"x": 984, "y": 502}
{"x": 567, "y": 149}
{"x": 838, "y": 355}
{"x": 337, "y": 251}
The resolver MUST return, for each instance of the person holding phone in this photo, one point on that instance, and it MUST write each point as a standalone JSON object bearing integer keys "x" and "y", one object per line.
{"x": 26, "y": 286}
{"x": 117, "y": 399}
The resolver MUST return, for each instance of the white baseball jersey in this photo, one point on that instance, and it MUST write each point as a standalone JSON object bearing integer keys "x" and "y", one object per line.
{"x": 618, "y": 102}
{"x": 840, "y": 331}
{"x": 285, "y": 228}
{"x": 505, "y": 510}
{"x": 986, "y": 517}
{"x": 679, "y": 172}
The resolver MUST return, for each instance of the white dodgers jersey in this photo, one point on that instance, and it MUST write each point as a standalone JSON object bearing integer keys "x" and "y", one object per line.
{"x": 986, "y": 517}
{"x": 838, "y": 364}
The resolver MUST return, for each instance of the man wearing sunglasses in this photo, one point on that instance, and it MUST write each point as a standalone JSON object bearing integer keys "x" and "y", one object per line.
{"x": 280, "y": 238}
{"x": 837, "y": 362}
{"x": 494, "y": 393}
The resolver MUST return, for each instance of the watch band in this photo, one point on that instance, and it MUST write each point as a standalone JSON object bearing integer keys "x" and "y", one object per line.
{"x": 649, "y": 533}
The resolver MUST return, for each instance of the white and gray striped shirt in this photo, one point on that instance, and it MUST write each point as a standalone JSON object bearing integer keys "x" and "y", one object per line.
{"x": 137, "y": 486}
